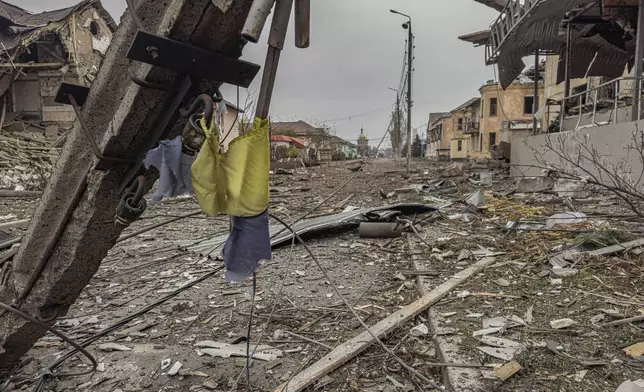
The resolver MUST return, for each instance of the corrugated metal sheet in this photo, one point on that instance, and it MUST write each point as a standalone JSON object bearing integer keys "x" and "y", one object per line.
{"x": 212, "y": 247}
{"x": 610, "y": 60}
{"x": 540, "y": 30}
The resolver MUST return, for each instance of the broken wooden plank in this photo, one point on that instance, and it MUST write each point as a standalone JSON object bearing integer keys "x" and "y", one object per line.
{"x": 18, "y": 223}
{"x": 8, "y": 193}
{"x": 506, "y": 371}
{"x": 358, "y": 344}
{"x": 625, "y": 321}
{"x": 617, "y": 248}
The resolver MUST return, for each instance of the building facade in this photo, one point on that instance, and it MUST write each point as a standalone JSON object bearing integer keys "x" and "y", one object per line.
{"x": 363, "y": 144}
{"x": 506, "y": 114}
{"x": 46, "y": 49}
{"x": 465, "y": 126}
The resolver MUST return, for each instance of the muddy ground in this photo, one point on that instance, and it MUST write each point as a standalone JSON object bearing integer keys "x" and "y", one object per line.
{"x": 307, "y": 318}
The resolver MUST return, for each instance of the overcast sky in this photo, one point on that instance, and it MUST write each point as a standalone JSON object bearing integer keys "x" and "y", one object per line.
{"x": 356, "y": 53}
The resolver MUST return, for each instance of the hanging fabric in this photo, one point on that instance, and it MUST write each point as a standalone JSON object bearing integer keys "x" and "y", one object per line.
{"x": 235, "y": 182}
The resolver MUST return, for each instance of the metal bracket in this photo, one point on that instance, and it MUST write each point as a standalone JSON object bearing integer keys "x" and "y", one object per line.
{"x": 187, "y": 59}
{"x": 77, "y": 91}
{"x": 67, "y": 94}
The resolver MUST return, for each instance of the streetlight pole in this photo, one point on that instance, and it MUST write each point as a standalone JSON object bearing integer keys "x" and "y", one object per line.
{"x": 410, "y": 59}
{"x": 397, "y": 121}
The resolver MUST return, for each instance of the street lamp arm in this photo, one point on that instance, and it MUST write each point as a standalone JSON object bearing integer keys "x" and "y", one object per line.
{"x": 400, "y": 13}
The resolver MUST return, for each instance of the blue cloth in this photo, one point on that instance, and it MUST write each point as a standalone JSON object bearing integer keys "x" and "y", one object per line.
{"x": 249, "y": 243}
{"x": 174, "y": 169}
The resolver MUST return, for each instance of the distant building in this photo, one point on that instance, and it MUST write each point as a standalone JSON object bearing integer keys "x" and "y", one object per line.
{"x": 465, "y": 125}
{"x": 41, "y": 50}
{"x": 363, "y": 144}
{"x": 322, "y": 145}
{"x": 435, "y": 129}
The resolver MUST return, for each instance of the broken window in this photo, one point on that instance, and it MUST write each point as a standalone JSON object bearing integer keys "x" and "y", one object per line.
{"x": 460, "y": 124}
{"x": 459, "y": 146}
{"x": 49, "y": 49}
{"x": 94, "y": 28}
{"x": 492, "y": 107}
{"x": 492, "y": 139}
{"x": 528, "y": 103}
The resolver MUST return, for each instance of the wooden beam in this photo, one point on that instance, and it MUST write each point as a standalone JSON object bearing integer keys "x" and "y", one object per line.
{"x": 348, "y": 350}
{"x": 31, "y": 65}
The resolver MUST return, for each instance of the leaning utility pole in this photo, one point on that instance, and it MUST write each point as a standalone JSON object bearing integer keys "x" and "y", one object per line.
{"x": 410, "y": 59}
{"x": 124, "y": 113}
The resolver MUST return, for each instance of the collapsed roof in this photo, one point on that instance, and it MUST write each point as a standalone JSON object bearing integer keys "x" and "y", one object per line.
{"x": 602, "y": 36}
{"x": 17, "y": 24}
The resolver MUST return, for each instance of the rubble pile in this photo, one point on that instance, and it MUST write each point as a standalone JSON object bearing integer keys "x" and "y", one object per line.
{"x": 27, "y": 160}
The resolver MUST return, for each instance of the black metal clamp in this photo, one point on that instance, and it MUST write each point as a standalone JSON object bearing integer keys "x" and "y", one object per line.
{"x": 132, "y": 204}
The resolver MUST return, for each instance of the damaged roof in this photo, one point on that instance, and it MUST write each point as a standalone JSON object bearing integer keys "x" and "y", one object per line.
{"x": 17, "y": 23}
{"x": 467, "y": 104}
{"x": 594, "y": 31}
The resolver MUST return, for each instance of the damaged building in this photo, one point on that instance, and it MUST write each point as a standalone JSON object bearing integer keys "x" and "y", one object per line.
{"x": 592, "y": 77}
{"x": 39, "y": 51}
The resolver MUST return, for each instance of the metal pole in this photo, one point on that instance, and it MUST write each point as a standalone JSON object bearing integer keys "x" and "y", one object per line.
{"x": 302, "y": 23}
{"x": 564, "y": 102}
{"x": 639, "y": 56}
{"x": 535, "y": 100}
{"x": 398, "y": 134}
{"x": 275, "y": 45}
{"x": 410, "y": 59}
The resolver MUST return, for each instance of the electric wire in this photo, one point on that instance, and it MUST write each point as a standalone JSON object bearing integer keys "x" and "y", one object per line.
{"x": 120, "y": 323}
{"x": 56, "y": 332}
{"x": 402, "y": 363}
{"x": 342, "y": 186}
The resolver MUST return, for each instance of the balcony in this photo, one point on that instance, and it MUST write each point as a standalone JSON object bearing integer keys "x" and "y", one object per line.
{"x": 607, "y": 103}
{"x": 505, "y": 25}
{"x": 471, "y": 127}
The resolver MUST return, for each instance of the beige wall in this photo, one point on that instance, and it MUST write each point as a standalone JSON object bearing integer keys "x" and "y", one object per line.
{"x": 448, "y": 133}
{"x": 510, "y": 105}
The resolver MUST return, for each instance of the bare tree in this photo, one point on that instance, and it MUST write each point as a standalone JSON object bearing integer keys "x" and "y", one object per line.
{"x": 572, "y": 155}
{"x": 397, "y": 126}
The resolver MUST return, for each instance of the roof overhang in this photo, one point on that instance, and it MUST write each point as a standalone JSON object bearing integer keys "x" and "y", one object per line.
{"x": 478, "y": 38}
{"x": 495, "y": 4}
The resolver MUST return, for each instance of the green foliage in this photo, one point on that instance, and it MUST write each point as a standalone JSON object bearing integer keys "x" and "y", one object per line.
{"x": 417, "y": 147}
{"x": 293, "y": 152}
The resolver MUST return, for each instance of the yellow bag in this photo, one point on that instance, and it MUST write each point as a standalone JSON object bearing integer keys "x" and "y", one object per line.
{"x": 236, "y": 182}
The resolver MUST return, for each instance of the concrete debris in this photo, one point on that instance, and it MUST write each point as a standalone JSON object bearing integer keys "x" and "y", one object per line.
{"x": 113, "y": 347}
{"x": 579, "y": 376}
{"x": 502, "y": 282}
{"x": 465, "y": 254}
{"x": 453, "y": 171}
{"x": 504, "y": 353}
{"x": 395, "y": 383}
{"x": 419, "y": 330}
{"x": 565, "y": 219}
{"x": 476, "y": 199}
{"x": 210, "y": 385}
{"x": 631, "y": 386}
{"x": 225, "y": 350}
{"x": 562, "y": 323}
{"x": 166, "y": 363}
{"x": 571, "y": 188}
{"x": 529, "y": 314}
{"x": 564, "y": 272}
{"x": 535, "y": 184}
{"x": 174, "y": 370}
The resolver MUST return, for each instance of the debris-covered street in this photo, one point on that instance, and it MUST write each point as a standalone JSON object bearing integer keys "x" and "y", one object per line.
{"x": 562, "y": 319}
{"x": 226, "y": 195}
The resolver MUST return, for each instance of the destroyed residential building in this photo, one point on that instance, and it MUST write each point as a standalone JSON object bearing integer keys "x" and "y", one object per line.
{"x": 592, "y": 76}
{"x": 42, "y": 50}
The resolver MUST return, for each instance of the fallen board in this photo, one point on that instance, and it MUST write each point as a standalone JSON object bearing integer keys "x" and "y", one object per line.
{"x": 358, "y": 344}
